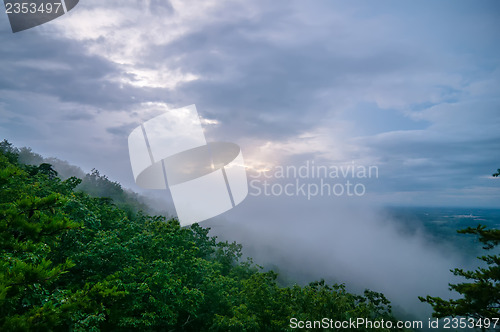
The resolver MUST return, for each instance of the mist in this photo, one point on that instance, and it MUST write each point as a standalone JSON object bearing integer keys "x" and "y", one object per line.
{"x": 354, "y": 242}
{"x": 350, "y": 240}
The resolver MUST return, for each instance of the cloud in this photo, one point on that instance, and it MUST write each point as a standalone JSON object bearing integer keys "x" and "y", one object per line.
{"x": 289, "y": 80}
{"x": 345, "y": 242}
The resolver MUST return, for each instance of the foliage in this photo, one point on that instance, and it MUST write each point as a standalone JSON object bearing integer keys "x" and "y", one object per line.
{"x": 98, "y": 185}
{"x": 71, "y": 261}
{"x": 481, "y": 296}
{"x": 94, "y": 183}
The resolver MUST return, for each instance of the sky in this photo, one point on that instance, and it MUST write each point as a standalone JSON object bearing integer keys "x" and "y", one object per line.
{"x": 412, "y": 88}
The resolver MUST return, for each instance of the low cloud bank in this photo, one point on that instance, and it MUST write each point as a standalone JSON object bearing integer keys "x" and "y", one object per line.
{"x": 346, "y": 243}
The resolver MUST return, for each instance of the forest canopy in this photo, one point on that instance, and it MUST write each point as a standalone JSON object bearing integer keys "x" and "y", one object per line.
{"x": 72, "y": 261}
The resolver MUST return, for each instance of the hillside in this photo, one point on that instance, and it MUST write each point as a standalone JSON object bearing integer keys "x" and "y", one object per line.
{"x": 70, "y": 261}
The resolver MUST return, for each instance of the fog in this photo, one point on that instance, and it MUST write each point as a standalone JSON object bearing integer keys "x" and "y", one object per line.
{"x": 351, "y": 242}
{"x": 342, "y": 239}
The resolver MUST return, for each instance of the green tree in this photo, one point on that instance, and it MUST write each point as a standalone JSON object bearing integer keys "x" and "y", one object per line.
{"x": 31, "y": 223}
{"x": 481, "y": 294}
{"x": 72, "y": 261}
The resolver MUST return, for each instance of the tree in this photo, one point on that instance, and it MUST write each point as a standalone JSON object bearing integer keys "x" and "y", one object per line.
{"x": 70, "y": 261}
{"x": 481, "y": 295}
{"x": 31, "y": 222}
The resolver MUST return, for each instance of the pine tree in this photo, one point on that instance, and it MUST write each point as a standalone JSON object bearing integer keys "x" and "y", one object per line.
{"x": 481, "y": 294}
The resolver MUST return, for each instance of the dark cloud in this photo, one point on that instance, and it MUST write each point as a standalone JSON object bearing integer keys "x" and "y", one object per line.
{"x": 63, "y": 69}
{"x": 123, "y": 130}
{"x": 365, "y": 79}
